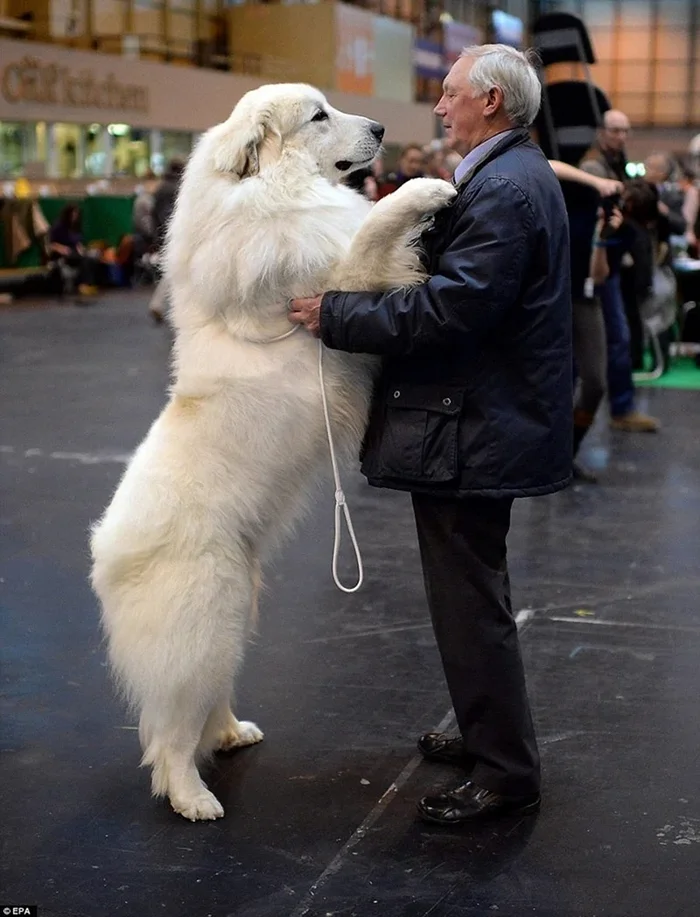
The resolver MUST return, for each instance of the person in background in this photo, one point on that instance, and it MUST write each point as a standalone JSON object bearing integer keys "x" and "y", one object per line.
{"x": 610, "y": 158}
{"x": 659, "y": 169}
{"x": 411, "y": 165}
{"x": 452, "y": 160}
{"x": 364, "y": 182}
{"x": 435, "y": 163}
{"x": 648, "y": 284}
{"x": 66, "y": 244}
{"x": 589, "y": 267}
{"x": 142, "y": 220}
{"x": 610, "y": 161}
{"x": 691, "y": 208}
{"x": 164, "y": 199}
{"x": 589, "y": 270}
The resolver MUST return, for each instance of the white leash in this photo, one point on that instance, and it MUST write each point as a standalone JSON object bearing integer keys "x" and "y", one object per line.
{"x": 339, "y": 496}
{"x": 340, "y": 502}
{"x": 280, "y": 337}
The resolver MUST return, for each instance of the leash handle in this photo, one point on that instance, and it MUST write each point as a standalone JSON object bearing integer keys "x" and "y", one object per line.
{"x": 341, "y": 505}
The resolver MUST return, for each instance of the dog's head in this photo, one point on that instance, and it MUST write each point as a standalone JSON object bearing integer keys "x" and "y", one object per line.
{"x": 294, "y": 120}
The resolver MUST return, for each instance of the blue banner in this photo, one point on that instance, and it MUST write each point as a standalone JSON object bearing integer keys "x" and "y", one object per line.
{"x": 428, "y": 60}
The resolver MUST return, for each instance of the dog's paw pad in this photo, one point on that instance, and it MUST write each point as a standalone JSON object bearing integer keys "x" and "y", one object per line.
{"x": 202, "y": 807}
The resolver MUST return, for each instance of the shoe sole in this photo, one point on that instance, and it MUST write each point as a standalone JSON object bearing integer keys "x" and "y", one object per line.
{"x": 530, "y": 809}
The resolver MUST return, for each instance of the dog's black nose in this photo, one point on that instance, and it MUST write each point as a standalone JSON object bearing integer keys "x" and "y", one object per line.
{"x": 377, "y": 129}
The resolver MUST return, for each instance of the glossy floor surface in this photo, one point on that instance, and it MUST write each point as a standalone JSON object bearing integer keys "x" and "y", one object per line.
{"x": 320, "y": 817}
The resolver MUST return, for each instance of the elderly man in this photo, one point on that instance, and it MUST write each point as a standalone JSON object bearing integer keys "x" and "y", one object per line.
{"x": 610, "y": 161}
{"x": 474, "y": 408}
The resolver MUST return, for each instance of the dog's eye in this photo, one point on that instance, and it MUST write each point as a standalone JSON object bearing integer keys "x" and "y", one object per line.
{"x": 320, "y": 115}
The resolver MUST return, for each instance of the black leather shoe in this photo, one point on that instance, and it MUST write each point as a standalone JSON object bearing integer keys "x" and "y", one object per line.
{"x": 443, "y": 748}
{"x": 468, "y": 802}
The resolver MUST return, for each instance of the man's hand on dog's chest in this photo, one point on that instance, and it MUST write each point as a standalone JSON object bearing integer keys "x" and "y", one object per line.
{"x": 306, "y": 312}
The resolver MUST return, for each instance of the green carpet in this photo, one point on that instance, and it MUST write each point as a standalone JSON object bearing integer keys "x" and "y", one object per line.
{"x": 682, "y": 373}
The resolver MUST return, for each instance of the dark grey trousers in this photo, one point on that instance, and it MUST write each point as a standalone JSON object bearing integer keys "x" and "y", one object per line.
{"x": 591, "y": 356}
{"x": 463, "y": 553}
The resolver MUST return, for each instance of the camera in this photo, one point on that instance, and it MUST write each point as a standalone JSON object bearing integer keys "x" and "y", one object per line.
{"x": 609, "y": 204}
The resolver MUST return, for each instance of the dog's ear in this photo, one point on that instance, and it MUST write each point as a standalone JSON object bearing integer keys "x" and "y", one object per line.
{"x": 239, "y": 149}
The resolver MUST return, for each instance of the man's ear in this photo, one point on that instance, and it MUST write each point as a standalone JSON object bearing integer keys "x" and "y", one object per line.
{"x": 494, "y": 100}
{"x": 238, "y": 152}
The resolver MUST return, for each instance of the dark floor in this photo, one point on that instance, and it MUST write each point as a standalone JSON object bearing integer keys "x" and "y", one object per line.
{"x": 343, "y": 685}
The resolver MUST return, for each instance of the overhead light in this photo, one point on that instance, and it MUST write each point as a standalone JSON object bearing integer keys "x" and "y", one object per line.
{"x": 118, "y": 130}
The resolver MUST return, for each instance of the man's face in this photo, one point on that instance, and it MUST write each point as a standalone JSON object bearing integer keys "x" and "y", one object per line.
{"x": 412, "y": 163}
{"x": 614, "y": 134}
{"x": 462, "y": 114}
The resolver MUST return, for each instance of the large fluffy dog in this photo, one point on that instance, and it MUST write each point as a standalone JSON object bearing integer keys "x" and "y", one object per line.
{"x": 225, "y": 468}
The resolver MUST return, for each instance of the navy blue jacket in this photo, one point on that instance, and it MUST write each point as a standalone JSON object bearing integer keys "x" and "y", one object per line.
{"x": 475, "y": 396}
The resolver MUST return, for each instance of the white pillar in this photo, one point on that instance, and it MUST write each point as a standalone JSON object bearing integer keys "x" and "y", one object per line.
{"x": 156, "y": 157}
{"x": 52, "y": 159}
{"x": 107, "y": 147}
{"x": 80, "y": 149}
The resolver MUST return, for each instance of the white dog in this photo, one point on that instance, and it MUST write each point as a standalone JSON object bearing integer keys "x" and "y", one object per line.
{"x": 225, "y": 469}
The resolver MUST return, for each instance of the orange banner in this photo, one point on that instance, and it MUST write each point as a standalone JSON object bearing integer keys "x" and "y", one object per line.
{"x": 354, "y": 61}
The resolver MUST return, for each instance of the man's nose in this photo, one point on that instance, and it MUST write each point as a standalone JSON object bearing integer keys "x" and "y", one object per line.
{"x": 438, "y": 109}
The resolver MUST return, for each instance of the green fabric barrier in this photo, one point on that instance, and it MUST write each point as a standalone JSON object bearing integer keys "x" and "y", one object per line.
{"x": 104, "y": 218}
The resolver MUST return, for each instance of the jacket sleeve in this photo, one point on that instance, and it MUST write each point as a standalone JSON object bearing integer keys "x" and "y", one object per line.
{"x": 478, "y": 279}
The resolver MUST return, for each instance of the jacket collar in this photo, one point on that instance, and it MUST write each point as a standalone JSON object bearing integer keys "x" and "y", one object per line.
{"x": 514, "y": 138}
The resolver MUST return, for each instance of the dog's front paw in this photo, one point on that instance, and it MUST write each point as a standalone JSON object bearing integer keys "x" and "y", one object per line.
{"x": 203, "y": 806}
{"x": 424, "y": 196}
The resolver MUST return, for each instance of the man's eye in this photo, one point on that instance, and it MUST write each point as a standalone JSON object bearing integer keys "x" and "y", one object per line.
{"x": 320, "y": 115}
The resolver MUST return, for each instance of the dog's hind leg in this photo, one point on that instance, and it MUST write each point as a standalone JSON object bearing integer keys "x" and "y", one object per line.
{"x": 191, "y": 670}
{"x": 171, "y": 736}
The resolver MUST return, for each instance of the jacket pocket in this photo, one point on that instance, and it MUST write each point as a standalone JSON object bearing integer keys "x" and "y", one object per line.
{"x": 419, "y": 440}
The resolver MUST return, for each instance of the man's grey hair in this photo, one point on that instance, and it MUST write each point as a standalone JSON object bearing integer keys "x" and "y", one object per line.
{"x": 514, "y": 73}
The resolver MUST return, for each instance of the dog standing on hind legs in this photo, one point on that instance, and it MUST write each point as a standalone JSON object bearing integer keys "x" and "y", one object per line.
{"x": 225, "y": 470}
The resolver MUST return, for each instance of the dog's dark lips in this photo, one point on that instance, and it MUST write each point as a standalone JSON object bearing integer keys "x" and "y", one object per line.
{"x": 343, "y": 165}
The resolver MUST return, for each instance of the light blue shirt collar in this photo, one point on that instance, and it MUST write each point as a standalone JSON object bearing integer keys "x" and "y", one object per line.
{"x": 478, "y": 153}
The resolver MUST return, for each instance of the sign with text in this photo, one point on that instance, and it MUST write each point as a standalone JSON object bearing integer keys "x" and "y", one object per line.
{"x": 34, "y": 80}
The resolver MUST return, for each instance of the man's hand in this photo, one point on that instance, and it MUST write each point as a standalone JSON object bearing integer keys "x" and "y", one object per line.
{"x": 607, "y": 187}
{"x": 307, "y": 312}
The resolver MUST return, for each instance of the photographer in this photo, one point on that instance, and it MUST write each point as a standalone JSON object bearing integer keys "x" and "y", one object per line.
{"x": 589, "y": 269}
{"x": 610, "y": 161}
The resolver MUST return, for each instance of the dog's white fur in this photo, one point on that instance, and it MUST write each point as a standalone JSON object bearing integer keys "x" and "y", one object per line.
{"x": 226, "y": 468}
